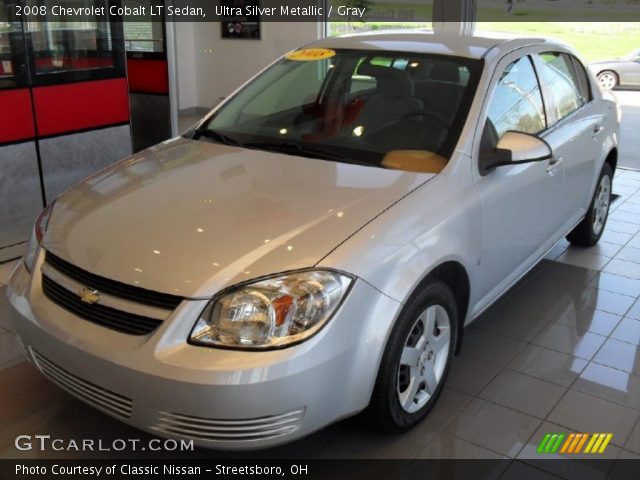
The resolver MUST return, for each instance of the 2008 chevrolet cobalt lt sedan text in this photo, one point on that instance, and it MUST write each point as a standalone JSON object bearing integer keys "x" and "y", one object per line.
{"x": 314, "y": 247}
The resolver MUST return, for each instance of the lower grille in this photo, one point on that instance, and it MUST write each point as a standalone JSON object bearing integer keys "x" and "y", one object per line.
{"x": 107, "y": 317}
{"x": 94, "y": 395}
{"x": 243, "y": 430}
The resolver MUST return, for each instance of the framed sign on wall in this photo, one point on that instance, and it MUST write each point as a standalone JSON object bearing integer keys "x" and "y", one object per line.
{"x": 240, "y": 26}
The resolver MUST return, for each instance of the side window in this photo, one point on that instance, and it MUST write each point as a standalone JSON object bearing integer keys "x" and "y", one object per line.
{"x": 517, "y": 102}
{"x": 564, "y": 88}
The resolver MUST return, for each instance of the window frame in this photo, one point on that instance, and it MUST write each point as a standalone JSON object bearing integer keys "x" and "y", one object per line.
{"x": 581, "y": 73}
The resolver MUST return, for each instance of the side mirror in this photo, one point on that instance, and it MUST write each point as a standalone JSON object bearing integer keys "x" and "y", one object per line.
{"x": 514, "y": 148}
{"x": 525, "y": 147}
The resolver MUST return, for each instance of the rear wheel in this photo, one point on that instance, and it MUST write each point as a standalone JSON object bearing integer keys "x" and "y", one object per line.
{"x": 416, "y": 360}
{"x": 608, "y": 80}
{"x": 589, "y": 230}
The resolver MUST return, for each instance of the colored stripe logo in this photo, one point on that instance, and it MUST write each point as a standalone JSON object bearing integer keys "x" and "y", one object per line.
{"x": 574, "y": 443}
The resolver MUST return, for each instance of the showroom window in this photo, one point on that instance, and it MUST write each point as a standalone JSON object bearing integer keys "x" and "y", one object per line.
{"x": 564, "y": 89}
{"x": 380, "y": 16}
{"x": 67, "y": 46}
{"x": 12, "y": 73}
{"x": 145, "y": 36}
{"x": 73, "y": 47}
{"x": 517, "y": 101}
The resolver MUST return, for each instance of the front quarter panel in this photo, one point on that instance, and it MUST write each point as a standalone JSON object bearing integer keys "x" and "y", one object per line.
{"x": 439, "y": 222}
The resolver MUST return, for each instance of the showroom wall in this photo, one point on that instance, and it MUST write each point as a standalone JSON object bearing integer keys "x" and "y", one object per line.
{"x": 210, "y": 67}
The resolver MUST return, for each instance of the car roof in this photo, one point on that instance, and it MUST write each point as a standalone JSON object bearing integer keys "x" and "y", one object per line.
{"x": 438, "y": 42}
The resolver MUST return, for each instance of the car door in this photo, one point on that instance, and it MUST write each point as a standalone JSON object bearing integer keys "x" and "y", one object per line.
{"x": 519, "y": 201}
{"x": 575, "y": 125}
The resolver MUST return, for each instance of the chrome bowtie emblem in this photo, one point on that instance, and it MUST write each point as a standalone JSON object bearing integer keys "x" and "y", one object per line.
{"x": 90, "y": 296}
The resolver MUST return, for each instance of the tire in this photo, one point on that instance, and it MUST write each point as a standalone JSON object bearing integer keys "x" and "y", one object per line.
{"x": 589, "y": 230}
{"x": 608, "y": 79}
{"x": 433, "y": 304}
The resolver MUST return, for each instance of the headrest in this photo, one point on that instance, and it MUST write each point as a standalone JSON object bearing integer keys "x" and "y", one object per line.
{"x": 390, "y": 81}
{"x": 445, "y": 72}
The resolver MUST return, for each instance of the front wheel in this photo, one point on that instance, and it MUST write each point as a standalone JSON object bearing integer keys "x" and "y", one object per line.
{"x": 589, "y": 230}
{"x": 416, "y": 360}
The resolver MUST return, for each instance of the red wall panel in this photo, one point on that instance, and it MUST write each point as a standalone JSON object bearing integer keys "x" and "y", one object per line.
{"x": 82, "y": 105}
{"x": 16, "y": 118}
{"x": 148, "y": 76}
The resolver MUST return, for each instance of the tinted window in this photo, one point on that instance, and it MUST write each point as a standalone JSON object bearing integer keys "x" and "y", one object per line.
{"x": 517, "y": 101}
{"x": 559, "y": 75}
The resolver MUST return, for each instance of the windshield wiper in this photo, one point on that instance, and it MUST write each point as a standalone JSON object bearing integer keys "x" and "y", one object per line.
{"x": 297, "y": 149}
{"x": 215, "y": 136}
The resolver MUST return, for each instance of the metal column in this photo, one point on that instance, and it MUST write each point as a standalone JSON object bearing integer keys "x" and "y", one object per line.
{"x": 455, "y": 16}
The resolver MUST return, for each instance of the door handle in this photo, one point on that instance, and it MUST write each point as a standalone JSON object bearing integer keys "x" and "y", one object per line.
{"x": 555, "y": 160}
{"x": 597, "y": 129}
{"x": 554, "y": 163}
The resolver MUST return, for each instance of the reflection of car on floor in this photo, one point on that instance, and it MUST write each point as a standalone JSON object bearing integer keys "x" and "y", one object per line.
{"x": 622, "y": 72}
{"x": 314, "y": 247}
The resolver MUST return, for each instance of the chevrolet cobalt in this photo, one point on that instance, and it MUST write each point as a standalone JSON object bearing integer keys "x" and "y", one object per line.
{"x": 315, "y": 246}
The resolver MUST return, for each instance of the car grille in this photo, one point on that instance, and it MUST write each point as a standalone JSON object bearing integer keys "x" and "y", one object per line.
{"x": 98, "y": 397}
{"x": 138, "y": 321}
{"x": 111, "y": 287}
{"x": 254, "y": 429}
{"x": 106, "y": 316}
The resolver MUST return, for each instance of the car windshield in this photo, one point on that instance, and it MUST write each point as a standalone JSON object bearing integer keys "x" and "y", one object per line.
{"x": 388, "y": 109}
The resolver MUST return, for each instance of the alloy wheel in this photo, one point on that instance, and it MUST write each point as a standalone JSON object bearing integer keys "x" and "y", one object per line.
{"x": 424, "y": 358}
{"x": 601, "y": 204}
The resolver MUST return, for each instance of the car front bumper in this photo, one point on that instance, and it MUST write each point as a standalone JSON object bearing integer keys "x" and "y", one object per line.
{"x": 225, "y": 399}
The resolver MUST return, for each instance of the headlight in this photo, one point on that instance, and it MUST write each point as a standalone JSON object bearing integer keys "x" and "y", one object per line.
{"x": 272, "y": 313}
{"x": 39, "y": 229}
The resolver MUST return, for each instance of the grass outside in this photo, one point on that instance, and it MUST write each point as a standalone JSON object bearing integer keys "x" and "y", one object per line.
{"x": 594, "y": 40}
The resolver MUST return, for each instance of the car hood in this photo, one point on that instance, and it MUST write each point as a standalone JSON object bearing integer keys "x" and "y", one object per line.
{"x": 189, "y": 217}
